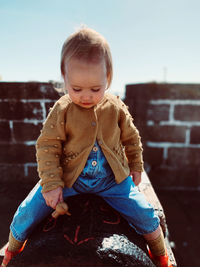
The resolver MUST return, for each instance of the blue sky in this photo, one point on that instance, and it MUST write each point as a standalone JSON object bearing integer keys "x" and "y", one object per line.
{"x": 150, "y": 40}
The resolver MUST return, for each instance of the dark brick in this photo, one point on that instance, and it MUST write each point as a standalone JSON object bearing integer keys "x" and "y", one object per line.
{"x": 26, "y": 131}
{"x": 14, "y": 110}
{"x": 27, "y": 90}
{"x": 11, "y": 173}
{"x": 48, "y": 106}
{"x": 162, "y": 91}
{"x": 166, "y": 133}
{"x": 187, "y": 112}
{"x": 5, "y": 132}
{"x": 183, "y": 178}
{"x": 183, "y": 157}
{"x": 153, "y": 156}
{"x": 33, "y": 174}
{"x": 17, "y": 154}
{"x": 195, "y": 135}
{"x": 158, "y": 113}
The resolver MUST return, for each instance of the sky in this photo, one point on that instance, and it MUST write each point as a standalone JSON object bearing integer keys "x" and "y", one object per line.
{"x": 150, "y": 40}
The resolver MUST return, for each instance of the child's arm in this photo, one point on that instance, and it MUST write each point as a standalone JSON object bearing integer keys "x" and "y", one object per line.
{"x": 131, "y": 140}
{"x": 49, "y": 148}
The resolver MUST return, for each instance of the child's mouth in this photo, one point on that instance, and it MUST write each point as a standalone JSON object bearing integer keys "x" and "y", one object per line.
{"x": 86, "y": 104}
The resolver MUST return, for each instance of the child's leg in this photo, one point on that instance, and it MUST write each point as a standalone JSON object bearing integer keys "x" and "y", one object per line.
{"x": 156, "y": 242}
{"x": 132, "y": 205}
{"x": 13, "y": 244}
{"x": 30, "y": 213}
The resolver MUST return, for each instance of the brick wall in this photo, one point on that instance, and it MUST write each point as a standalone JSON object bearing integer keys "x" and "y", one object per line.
{"x": 168, "y": 118}
{"x": 23, "y": 108}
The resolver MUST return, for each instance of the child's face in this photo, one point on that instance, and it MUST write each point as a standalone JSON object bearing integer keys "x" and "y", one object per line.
{"x": 85, "y": 82}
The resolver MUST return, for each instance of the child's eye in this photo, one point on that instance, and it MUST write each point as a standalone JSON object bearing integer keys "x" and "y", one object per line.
{"x": 76, "y": 89}
{"x": 95, "y": 89}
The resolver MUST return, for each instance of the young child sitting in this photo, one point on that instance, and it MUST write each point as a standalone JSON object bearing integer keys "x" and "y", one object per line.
{"x": 88, "y": 144}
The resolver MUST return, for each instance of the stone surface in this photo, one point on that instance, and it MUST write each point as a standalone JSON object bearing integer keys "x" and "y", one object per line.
{"x": 94, "y": 235}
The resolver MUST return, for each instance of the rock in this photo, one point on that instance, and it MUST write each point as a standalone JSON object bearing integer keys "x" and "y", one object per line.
{"x": 94, "y": 235}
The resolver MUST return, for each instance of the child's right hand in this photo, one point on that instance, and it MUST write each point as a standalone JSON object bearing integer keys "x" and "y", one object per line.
{"x": 53, "y": 197}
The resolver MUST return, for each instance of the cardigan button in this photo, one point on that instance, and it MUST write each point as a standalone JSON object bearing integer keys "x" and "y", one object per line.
{"x": 94, "y": 163}
{"x": 95, "y": 149}
{"x": 93, "y": 123}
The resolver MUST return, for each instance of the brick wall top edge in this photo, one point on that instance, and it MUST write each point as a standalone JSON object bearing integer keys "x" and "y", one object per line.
{"x": 163, "y": 91}
{"x": 27, "y": 90}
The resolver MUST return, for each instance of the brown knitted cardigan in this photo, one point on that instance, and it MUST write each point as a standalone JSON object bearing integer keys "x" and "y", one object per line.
{"x": 69, "y": 134}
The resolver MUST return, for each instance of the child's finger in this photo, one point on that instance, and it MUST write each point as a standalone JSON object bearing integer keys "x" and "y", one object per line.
{"x": 61, "y": 197}
{"x": 53, "y": 203}
{"x": 47, "y": 203}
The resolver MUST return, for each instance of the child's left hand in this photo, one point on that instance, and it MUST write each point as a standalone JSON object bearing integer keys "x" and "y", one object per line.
{"x": 136, "y": 176}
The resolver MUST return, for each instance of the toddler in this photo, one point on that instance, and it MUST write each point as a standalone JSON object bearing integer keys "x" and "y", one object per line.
{"x": 88, "y": 144}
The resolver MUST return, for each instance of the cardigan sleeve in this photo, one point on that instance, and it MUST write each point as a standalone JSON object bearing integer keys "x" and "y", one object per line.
{"x": 130, "y": 139}
{"x": 49, "y": 148}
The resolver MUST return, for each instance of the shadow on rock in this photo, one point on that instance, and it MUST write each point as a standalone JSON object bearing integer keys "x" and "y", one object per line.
{"x": 94, "y": 235}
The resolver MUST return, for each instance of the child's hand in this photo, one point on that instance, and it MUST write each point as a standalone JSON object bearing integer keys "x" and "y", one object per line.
{"x": 53, "y": 197}
{"x": 136, "y": 176}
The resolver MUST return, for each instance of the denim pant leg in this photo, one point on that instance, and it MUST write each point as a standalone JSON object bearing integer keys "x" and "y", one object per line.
{"x": 132, "y": 205}
{"x": 31, "y": 212}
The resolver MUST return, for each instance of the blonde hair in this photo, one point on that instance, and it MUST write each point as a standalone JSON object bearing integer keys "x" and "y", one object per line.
{"x": 88, "y": 45}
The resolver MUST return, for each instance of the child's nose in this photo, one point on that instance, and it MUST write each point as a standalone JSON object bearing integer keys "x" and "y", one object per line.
{"x": 86, "y": 96}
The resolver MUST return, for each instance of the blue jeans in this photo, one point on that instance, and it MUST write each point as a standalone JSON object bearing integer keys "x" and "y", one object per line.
{"x": 96, "y": 178}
